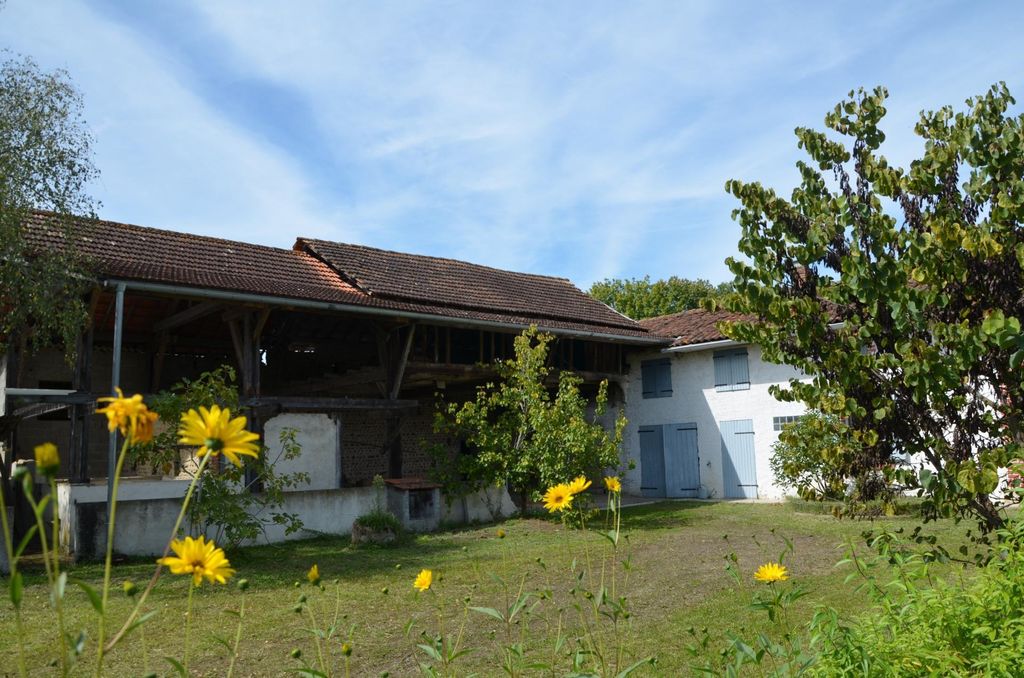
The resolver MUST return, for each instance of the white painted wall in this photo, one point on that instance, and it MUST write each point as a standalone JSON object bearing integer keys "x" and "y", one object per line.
{"x": 695, "y": 400}
{"x": 317, "y": 434}
{"x": 147, "y": 509}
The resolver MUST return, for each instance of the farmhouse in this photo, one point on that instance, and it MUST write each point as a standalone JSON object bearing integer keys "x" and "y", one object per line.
{"x": 702, "y": 421}
{"x": 350, "y": 345}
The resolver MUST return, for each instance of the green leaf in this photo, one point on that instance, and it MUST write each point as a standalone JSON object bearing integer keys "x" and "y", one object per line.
{"x": 62, "y": 581}
{"x": 489, "y": 611}
{"x": 16, "y": 587}
{"x": 29, "y": 533}
{"x": 94, "y": 597}
{"x": 177, "y": 666}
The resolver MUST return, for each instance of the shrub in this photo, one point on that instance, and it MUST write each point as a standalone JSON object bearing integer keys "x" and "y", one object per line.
{"x": 800, "y": 458}
{"x": 936, "y": 627}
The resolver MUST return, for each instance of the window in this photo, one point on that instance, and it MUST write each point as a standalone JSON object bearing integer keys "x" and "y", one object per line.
{"x": 731, "y": 370}
{"x": 779, "y": 423}
{"x": 656, "y": 376}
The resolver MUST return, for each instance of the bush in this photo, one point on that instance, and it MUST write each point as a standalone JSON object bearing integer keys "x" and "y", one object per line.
{"x": 379, "y": 520}
{"x": 800, "y": 458}
{"x": 937, "y": 627}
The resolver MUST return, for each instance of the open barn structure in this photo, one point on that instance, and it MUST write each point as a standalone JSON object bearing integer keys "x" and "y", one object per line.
{"x": 351, "y": 345}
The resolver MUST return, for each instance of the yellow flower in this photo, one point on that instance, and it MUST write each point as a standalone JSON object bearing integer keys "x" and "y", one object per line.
{"x": 558, "y": 498}
{"x": 313, "y": 575}
{"x": 215, "y": 432}
{"x": 423, "y": 580}
{"x": 771, "y": 572}
{"x": 130, "y": 416}
{"x": 612, "y": 484}
{"x": 47, "y": 458}
{"x": 199, "y": 558}
{"x": 579, "y": 485}
{"x": 501, "y": 533}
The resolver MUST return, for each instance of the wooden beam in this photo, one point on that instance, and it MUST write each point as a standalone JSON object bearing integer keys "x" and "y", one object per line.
{"x": 396, "y": 380}
{"x": 293, "y": 403}
{"x": 188, "y": 315}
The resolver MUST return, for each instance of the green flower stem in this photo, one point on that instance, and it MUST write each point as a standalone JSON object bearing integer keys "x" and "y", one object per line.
{"x": 238, "y": 636}
{"x": 167, "y": 549}
{"x": 316, "y": 637}
{"x": 52, "y": 569}
{"x": 58, "y": 600}
{"x": 100, "y": 649}
{"x": 13, "y": 565}
{"x": 188, "y": 622}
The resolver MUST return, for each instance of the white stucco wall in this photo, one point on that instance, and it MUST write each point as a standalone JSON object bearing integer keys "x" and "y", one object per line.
{"x": 695, "y": 400}
{"x": 317, "y": 434}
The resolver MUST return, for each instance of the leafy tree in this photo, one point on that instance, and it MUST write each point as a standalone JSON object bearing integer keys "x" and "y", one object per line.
{"x": 899, "y": 291}
{"x": 640, "y": 298}
{"x": 45, "y": 163}
{"x": 523, "y": 435}
{"x": 804, "y": 457}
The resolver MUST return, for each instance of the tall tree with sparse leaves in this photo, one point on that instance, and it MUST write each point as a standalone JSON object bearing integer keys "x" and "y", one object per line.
{"x": 45, "y": 164}
{"x": 641, "y": 298}
{"x": 900, "y": 292}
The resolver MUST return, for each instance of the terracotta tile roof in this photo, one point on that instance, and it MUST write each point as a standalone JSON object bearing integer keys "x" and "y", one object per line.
{"x": 400, "y": 282}
{"x": 154, "y": 255}
{"x": 460, "y": 285}
{"x": 695, "y": 326}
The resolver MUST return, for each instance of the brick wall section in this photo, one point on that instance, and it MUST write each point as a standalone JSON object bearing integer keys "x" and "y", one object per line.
{"x": 362, "y": 440}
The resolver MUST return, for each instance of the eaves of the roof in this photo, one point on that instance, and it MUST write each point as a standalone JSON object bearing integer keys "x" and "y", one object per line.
{"x": 170, "y": 258}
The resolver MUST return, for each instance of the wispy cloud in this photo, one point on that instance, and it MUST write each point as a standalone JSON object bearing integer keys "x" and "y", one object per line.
{"x": 577, "y": 139}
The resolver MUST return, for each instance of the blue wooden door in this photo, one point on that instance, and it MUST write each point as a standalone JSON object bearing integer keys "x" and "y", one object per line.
{"x": 652, "y": 462}
{"x": 738, "y": 466}
{"x": 682, "y": 469}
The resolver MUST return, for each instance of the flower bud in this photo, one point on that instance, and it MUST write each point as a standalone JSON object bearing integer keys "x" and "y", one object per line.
{"x": 346, "y": 650}
{"x": 130, "y": 589}
{"x": 243, "y": 584}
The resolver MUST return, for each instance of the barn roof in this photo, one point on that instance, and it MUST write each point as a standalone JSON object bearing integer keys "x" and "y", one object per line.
{"x": 336, "y": 273}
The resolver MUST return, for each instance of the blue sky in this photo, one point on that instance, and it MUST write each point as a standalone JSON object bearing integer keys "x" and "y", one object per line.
{"x": 581, "y": 139}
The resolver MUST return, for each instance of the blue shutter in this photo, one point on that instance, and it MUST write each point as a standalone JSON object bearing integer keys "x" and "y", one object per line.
{"x": 731, "y": 372}
{"x": 656, "y": 378}
{"x": 723, "y": 372}
{"x": 652, "y": 461}
{"x": 739, "y": 470}
{"x": 648, "y": 378}
{"x": 740, "y": 372}
{"x": 664, "y": 371}
{"x": 682, "y": 471}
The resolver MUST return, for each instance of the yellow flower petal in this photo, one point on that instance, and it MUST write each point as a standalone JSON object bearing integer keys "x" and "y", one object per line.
{"x": 213, "y": 431}
{"x": 130, "y": 416}
{"x": 47, "y": 458}
{"x": 313, "y": 575}
{"x": 199, "y": 558}
{"x": 579, "y": 485}
{"x": 612, "y": 484}
{"x": 558, "y": 498}
{"x": 423, "y": 580}
{"x": 771, "y": 572}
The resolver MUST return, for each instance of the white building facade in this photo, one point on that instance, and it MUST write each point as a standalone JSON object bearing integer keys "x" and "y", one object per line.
{"x": 701, "y": 419}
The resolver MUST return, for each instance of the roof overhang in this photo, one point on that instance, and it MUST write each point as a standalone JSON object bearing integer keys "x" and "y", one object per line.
{"x": 722, "y": 343}
{"x": 324, "y": 306}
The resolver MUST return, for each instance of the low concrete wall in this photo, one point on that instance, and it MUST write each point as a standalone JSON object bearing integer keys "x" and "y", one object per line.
{"x": 484, "y": 506}
{"x": 147, "y": 509}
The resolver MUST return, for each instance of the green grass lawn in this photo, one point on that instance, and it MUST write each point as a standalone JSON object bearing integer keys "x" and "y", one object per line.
{"x": 678, "y": 581}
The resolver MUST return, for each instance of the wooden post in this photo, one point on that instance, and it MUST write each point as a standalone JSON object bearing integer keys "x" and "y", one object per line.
{"x": 247, "y": 346}
{"x": 82, "y": 381}
{"x": 396, "y": 358}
